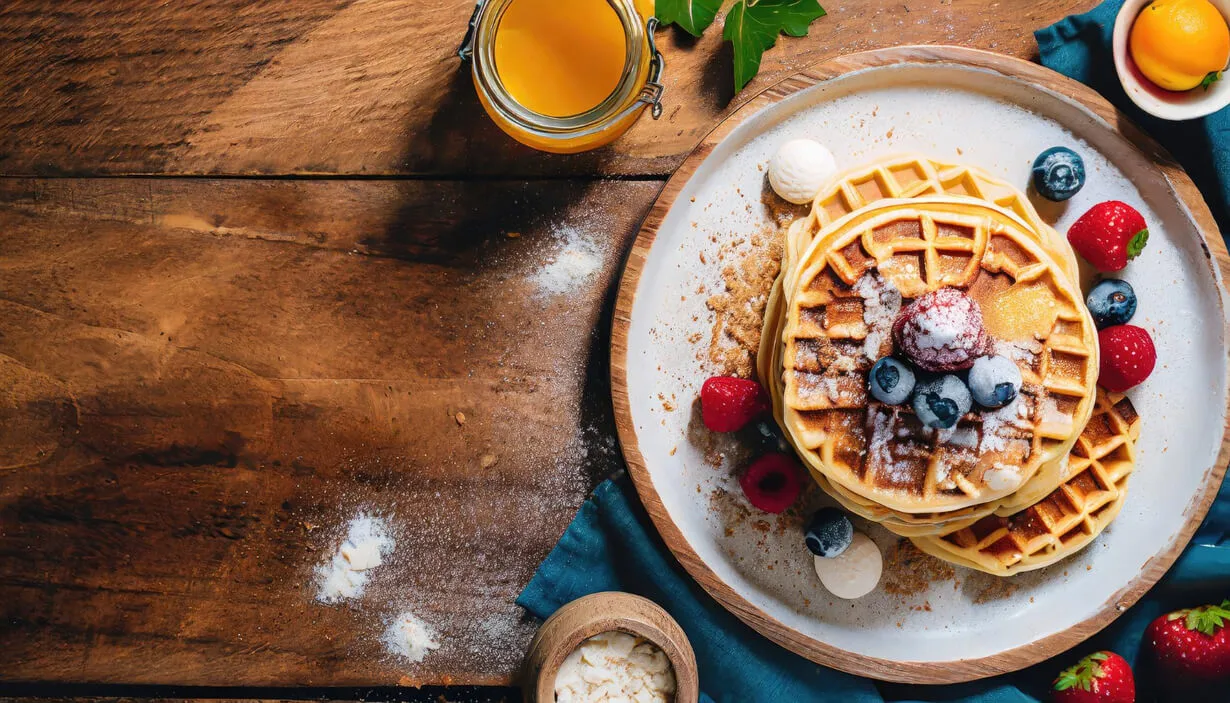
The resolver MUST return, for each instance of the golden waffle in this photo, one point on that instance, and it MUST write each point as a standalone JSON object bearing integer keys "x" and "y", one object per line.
{"x": 901, "y": 176}
{"x": 904, "y": 524}
{"x": 913, "y": 176}
{"x": 1065, "y": 521}
{"x": 898, "y": 176}
{"x": 1030, "y": 307}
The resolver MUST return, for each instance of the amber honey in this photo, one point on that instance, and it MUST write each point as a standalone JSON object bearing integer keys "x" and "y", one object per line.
{"x": 565, "y": 76}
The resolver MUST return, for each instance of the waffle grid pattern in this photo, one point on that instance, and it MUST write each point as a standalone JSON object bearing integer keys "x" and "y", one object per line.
{"x": 1091, "y": 495}
{"x": 824, "y": 332}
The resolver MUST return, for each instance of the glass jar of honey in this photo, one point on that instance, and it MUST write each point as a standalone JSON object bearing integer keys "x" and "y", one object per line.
{"x": 565, "y": 75}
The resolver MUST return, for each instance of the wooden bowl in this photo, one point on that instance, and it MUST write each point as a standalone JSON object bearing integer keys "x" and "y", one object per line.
{"x": 602, "y": 612}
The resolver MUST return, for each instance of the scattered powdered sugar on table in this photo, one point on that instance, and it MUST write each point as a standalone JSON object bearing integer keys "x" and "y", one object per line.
{"x": 881, "y": 304}
{"x": 345, "y": 575}
{"x": 576, "y": 259}
{"x": 407, "y": 636}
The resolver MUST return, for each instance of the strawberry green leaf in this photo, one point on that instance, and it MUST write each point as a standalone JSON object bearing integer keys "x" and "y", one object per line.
{"x": 752, "y": 27}
{"x": 693, "y": 16}
{"x": 1137, "y": 243}
{"x": 1209, "y": 619}
{"x": 1082, "y": 674}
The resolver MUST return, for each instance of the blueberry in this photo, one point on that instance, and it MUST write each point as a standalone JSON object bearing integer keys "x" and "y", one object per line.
{"x": 891, "y": 381}
{"x": 941, "y": 402}
{"x": 994, "y": 381}
{"x": 829, "y": 533}
{"x": 1111, "y": 302}
{"x": 1058, "y": 173}
{"x": 765, "y": 434}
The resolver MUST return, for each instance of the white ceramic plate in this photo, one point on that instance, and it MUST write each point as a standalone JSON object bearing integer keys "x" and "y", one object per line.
{"x": 954, "y": 104}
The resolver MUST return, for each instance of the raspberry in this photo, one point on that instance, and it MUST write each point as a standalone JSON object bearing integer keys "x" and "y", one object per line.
{"x": 942, "y": 331}
{"x": 728, "y": 403}
{"x": 772, "y": 482}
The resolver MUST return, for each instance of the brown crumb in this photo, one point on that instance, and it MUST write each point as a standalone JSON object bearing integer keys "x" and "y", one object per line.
{"x": 997, "y": 589}
{"x": 460, "y": 418}
{"x": 488, "y": 460}
{"x": 667, "y": 403}
{"x": 672, "y": 451}
{"x": 730, "y": 510}
{"x": 309, "y": 526}
{"x": 513, "y": 235}
{"x": 908, "y": 571}
{"x": 739, "y": 308}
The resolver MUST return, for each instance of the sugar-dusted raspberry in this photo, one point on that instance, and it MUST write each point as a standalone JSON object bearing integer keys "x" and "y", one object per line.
{"x": 942, "y": 331}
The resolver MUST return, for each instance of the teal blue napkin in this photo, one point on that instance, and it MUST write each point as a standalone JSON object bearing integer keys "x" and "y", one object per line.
{"x": 612, "y": 545}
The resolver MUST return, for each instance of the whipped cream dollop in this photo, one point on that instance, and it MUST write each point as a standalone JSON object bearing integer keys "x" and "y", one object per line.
{"x": 799, "y": 169}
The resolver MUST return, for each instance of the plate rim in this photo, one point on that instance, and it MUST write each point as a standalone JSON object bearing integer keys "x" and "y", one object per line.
{"x": 918, "y": 672}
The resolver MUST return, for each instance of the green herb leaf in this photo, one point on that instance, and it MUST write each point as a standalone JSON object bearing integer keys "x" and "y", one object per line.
{"x": 1210, "y": 79}
{"x": 693, "y": 16}
{"x": 752, "y": 27}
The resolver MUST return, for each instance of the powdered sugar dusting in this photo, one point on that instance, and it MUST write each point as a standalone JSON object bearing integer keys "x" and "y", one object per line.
{"x": 345, "y": 575}
{"x": 1019, "y": 351}
{"x": 964, "y": 437}
{"x": 881, "y": 304}
{"x": 939, "y": 328}
{"x": 882, "y": 437}
{"x": 410, "y": 638}
{"x": 1002, "y": 426}
{"x": 576, "y": 259}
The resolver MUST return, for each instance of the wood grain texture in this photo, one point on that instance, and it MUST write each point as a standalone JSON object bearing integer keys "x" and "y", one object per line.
{"x": 1218, "y": 262}
{"x": 204, "y": 380}
{"x": 371, "y": 86}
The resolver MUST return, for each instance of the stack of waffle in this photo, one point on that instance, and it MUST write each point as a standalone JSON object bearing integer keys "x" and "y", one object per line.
{"x": 1005, "y": 490}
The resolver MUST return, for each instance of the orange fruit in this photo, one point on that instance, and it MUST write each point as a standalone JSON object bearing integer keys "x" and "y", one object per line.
{"x": 1180, "y": 44}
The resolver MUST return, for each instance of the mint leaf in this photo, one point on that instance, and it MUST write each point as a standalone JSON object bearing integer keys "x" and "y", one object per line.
{"x": 752, "y": 27}
{"x": 693, "y": 16}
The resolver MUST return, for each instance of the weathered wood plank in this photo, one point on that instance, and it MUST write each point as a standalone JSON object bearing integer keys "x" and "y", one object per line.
{"x": 203, "y": 381}
{"x": 370, "y": 86}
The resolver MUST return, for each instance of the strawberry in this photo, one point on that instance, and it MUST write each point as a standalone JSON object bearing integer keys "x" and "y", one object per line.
{"x": 1128, "y": 357}
{"x": 1193, "y": 644}
{"x": 1101, "y": 677}
{"x": 728, "y": 403}
{"x": 772, "y": 483}
{"x": 1109, "y": 235}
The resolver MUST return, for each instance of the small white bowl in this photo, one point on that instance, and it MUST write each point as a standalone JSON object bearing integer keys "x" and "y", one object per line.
{"x": 1165, "y": 104}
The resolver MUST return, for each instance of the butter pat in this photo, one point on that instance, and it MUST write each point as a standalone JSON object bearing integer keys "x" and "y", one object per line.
{"x": 855, "y": 572}
{"x": 615, "y": 667}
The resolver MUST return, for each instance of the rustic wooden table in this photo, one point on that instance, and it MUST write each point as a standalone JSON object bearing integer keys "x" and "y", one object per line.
{"x": 263, "y": 265}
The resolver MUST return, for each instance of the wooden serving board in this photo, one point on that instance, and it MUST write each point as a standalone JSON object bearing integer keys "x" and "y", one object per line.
{"x": 774, "y": 591}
